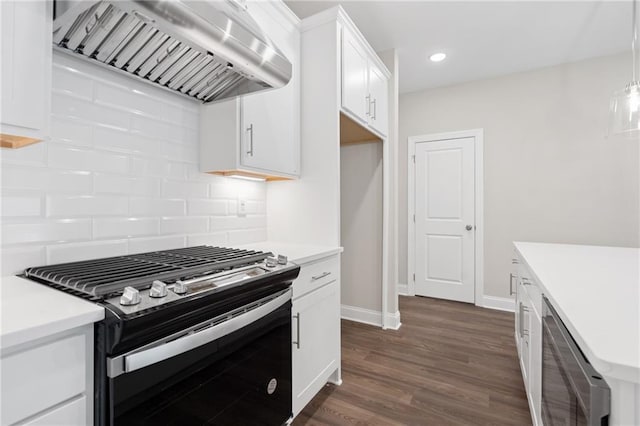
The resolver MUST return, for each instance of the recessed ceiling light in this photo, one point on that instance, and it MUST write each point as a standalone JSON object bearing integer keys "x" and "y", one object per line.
{"x": 437, "y": 57}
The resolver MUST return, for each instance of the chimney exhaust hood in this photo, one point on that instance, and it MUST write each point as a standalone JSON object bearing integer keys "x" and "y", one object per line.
{"x": 205, "y": 50}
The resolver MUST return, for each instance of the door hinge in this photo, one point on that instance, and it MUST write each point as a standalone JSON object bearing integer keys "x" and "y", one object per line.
{"x": 414, "y": 158}
{"x": 414, "y": 218}
{"x": 414, "y": 277}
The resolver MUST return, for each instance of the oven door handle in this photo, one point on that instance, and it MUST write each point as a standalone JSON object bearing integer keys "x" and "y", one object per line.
{"x": 163, "y": 350}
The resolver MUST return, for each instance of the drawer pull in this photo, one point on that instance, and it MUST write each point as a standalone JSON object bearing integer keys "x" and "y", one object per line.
{"x": 322, "y": 275}
{"x": 525, "y": 281}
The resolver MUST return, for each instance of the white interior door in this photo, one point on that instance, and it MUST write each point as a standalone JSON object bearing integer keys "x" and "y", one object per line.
{"x": 445, "y": 219}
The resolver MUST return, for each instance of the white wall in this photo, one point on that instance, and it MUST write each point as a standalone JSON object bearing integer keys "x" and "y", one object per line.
{"x": 119, "y": 175}
{"x": 361, "y": 225}
{"x": 550, "y": 173}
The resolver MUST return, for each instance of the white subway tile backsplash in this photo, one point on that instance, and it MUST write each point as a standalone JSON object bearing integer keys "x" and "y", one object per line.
{"x": 39, "y": 178}
{"x": 184, "y": 189}
{"x": 241, "y": 222}
{"x": 68, "y": 157}
{"x": 207, "y": 207}
{"x": 21, "y": 206}
{"x": 14, "y": 260}
{"x": 71, "y": 131}
{"x": 246, "y": 236}
{"x": 72, "y": 107}
{"x": 123, "y": 141}
{"x": 86, "y": 205}
{"x": 65, "y": 80}
{"x": 124, "y": 227}
{"x": 62, "y": 253}
{"x": 211, "y": 239}
{"x": 124, "y": 98}
{"x": 183, "y": 225}
{"x": 149, "y": 166}
{"x": 35, "y": 154}
{"x": 121, "y": 176}
{"x": 132, "y": 185}
{"x": 145, "y": 206}
{"x": 52, "y": 231}
{"x": 141, "y": 245}
{"x": 177, "y": 171}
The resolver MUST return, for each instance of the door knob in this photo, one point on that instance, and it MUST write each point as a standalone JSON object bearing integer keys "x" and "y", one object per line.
{"x": 468, "y": 227}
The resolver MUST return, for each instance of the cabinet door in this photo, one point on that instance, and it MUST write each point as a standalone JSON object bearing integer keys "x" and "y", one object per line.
{"x": 270, "y": 124}
{"x": 379, "y": 98}
{"x": 535, "y": 366}
{"x": 267, "y": 132}
{"x": 26, "y": 67}
{"x": 355, "y": 92}
{"x": 524, "y": 328}
{"x": 316, "y": 336}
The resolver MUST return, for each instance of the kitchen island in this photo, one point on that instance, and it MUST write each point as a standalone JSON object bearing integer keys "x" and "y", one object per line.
{"x": 596, "y": 293}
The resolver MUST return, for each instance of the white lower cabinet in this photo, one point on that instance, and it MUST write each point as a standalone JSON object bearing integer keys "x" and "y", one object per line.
{"x": 49, "y": 381}
{"x": 528, "y": 320}
{"x": 316, "y": 332}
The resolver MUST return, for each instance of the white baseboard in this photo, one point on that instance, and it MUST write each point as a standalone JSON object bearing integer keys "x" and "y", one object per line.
{"x": 403, "y": 289}
{"x": 365, "y": 316}
{"x": 369, "y": 316}
{"x": 499, "y": 303}
{"x": 393, "y": 321}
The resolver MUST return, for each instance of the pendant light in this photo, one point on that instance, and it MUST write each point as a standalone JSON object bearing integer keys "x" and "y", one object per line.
{"x": 624, "y": 114}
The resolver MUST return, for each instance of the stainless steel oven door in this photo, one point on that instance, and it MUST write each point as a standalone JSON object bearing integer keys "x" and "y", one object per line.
{"x": 573, "y": 393}
{"x": 231, "y": 370}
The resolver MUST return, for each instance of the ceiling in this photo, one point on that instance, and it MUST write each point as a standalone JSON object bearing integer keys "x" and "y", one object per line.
{"x": 484, "y": 39}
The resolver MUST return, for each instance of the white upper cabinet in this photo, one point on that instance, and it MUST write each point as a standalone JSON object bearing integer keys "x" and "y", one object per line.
{"x": 364, "y": 84}
{"x": 379, "y": 100}
{"x": 355, "y": 90}
{"x": 26, "y": 67}
{"x": 258, "y": 134}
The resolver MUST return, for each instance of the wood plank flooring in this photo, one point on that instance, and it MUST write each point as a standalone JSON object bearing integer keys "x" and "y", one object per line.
{"x": 449, "y": 364}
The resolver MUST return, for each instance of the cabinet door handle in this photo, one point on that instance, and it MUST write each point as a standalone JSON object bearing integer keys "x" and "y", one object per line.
{"x": 322, "y": 275}
{"x": 368, "y": 99}
{"x": 374, "y": 109}
{"x": 250, "y": 130}
{"x": 297, "y": 341}
{"x": 510, "y": 284}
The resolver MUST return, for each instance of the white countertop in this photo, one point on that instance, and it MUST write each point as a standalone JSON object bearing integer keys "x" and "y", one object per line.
{"x": 298, "y": 253}
{"x": 596, "y": 292}
{"x": 29, "y": 311}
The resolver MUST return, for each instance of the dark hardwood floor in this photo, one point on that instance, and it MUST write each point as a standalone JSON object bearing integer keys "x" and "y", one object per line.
{"x": 449, "y": 364}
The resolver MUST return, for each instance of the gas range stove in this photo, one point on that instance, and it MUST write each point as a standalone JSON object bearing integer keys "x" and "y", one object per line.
{"x": 183, "y": 326}
{"x": 147, "y": 281}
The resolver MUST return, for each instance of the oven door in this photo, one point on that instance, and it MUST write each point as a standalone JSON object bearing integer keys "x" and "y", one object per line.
{"x": 231, "y": 370}
{"x": 573, "y": 393}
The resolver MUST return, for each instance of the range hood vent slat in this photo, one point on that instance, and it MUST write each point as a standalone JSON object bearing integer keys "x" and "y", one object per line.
{"x": 207, "y": 51}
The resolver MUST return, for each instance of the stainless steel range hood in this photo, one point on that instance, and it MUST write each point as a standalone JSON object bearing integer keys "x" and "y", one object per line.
{"x": 206, "y": 50}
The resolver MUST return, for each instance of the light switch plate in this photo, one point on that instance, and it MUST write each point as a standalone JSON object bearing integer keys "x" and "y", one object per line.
{"x": 242, "y": 207}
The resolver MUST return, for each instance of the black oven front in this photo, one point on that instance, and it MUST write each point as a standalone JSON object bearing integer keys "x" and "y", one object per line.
{"x": 234, "y": 369}
{"x": 573, "y": 393}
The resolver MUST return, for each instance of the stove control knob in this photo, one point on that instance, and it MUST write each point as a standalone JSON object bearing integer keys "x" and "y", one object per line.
{"x": 282, "y": 260}
{"x": 158, "y": 289}
{"x": 179, "y": 287}
{"x": 271, "y": 262}
{"x": 130, "y": 296}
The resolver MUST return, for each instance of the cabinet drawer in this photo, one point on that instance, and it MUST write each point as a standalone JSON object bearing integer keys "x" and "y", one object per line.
{"x": 532, "y": 288}
{"x": 315, "y": 275}
{"x": 43, "y": 376}
{"x": 71, "y": 414}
